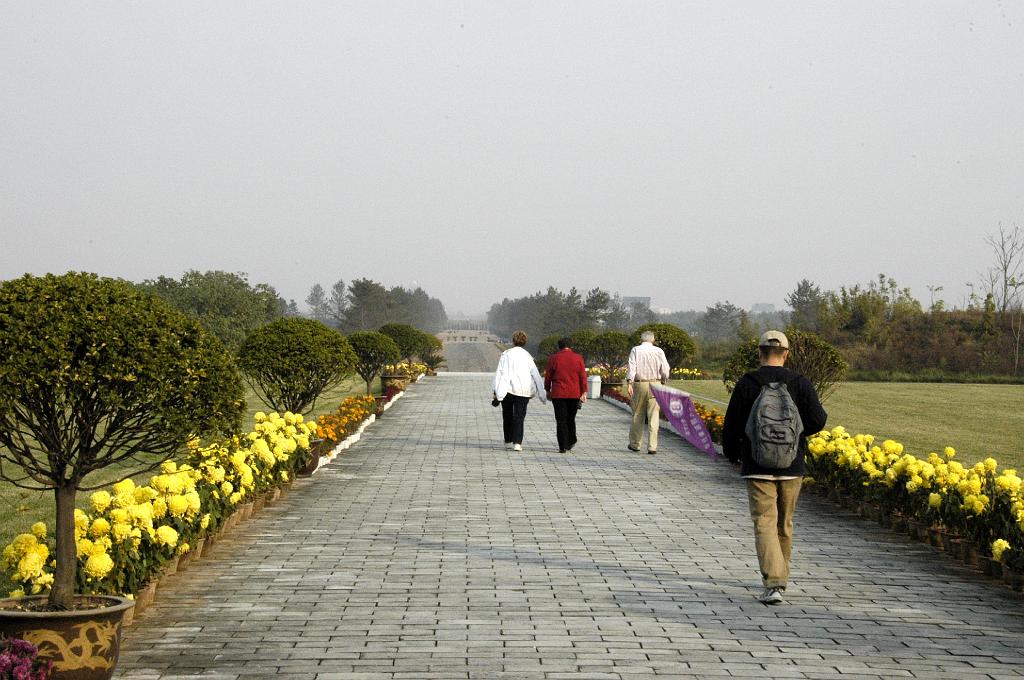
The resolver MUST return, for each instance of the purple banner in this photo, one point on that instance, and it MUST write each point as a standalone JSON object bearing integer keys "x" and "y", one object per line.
{"x": 678, "y": 409}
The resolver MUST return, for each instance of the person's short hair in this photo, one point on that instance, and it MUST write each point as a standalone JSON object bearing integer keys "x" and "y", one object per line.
{"x": 564, "y": 343}
{"x": 519, "y": 338}
{"x": 767, "y": 351}
{"x": 647, "y": 336}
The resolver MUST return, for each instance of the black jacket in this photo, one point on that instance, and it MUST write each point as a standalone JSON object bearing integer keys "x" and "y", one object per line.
{"x": 735, "y": 444}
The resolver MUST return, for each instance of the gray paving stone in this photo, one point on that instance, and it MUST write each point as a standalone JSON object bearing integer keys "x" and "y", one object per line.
{"x": 427, "y": 550}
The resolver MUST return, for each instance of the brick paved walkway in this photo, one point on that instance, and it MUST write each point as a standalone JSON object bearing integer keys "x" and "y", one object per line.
{"x": 427, "y": 551}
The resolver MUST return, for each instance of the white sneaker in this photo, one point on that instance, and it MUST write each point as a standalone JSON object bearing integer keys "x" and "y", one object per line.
{"x": 517, "y": 447}
{"x": 771, "y": 596}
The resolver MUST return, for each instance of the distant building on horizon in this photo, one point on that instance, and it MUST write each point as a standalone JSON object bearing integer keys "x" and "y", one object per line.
{"x": 633, "y": 300}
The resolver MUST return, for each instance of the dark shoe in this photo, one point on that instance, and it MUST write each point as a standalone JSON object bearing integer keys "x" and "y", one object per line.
{"x": 561, "y": 450}
{"x": 652, "y": 452}
{"x": 633, "y": 448}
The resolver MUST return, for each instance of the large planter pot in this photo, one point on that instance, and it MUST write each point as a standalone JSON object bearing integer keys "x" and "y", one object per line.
{"x": 607, "y": 387}
{"x": 317, "y": 448}
{"x": 396, "y": 381}
{"x": 83, "y": 642}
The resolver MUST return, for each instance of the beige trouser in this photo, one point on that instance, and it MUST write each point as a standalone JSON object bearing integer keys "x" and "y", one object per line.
{"x": 644, "y": 406}
{"x": 772, "y": 504}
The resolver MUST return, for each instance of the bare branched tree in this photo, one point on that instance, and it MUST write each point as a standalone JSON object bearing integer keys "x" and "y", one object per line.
{"x": 1005, "y": 281}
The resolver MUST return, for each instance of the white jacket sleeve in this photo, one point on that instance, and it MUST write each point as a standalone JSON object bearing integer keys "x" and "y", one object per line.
{"x": 538, "y": 385}
{"x": 501, "y": 380}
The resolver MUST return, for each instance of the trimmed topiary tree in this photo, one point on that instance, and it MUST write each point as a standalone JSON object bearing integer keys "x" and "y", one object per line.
{"x": 582, "y": 342}
{"x": 373, "y": 352}
{"x": 93, "y": 373}
{"x": 677, "y": 344}
{"x": 292, "y": 361}
{"x": 610, "y": 350}
{"x": 809, "y": 355}
{"x": 408, "y": 339}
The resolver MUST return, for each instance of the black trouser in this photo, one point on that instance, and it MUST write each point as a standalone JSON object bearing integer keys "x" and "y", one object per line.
{"x": 513, "y": 413}
{"x": 565, "y": 422}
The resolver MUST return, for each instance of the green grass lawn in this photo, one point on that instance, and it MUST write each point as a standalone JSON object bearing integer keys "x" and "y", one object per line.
{"x": 977, "y": 420}
{"x": 21, "y": 507}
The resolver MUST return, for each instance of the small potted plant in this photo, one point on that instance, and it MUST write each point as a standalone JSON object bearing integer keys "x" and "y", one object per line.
{"x": 20, "y": 659}
{"x": 95, "y": 373}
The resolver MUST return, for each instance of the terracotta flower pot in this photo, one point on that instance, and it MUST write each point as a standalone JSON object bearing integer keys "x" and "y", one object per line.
{"x": 83, "y": 642}
{"x": 317, "y": 448}
{"x": 1013, "y": 578}
{"x": 970, "y": 555}
{"x": 144, "y": 598}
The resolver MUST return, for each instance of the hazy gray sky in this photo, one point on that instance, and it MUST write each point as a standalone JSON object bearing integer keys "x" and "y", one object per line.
{"x": 692, "y": 152}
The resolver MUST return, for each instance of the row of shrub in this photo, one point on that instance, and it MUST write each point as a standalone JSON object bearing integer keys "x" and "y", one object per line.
{"x": 132, "y": 531}
{"x": 981, "y": 504}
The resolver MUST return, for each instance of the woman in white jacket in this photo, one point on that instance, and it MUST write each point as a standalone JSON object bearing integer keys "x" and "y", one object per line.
{"x": 515, "y": 382}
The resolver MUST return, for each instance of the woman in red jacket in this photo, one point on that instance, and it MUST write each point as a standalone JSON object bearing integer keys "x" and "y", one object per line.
{"x": 565, "y": 381}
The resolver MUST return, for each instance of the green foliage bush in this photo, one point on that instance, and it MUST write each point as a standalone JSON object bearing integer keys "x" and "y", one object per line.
{"x": 677, "y": 344}
{"x": 373, "y": 352}
{"x": 809, "y": 355}
{"x": 583, "y": 342}
{"x": 291, "y": 361}
{"x": 95, "y": 372}
{"x": 225, "y": 303}
{"x": 410, "y": 340}
{"x": 610, "y": 349}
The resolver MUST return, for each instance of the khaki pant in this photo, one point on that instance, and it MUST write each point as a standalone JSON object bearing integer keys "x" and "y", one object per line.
{"x": 645, "y": 406}
{"x": 772, "y": 505}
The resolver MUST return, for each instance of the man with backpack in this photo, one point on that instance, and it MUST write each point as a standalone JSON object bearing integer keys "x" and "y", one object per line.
{"x": 771, "y": 413}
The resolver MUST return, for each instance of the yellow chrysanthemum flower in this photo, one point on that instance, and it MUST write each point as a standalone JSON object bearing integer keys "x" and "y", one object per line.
{"x": 100, "y": 527}
{"x": 999, "y": 546}
{"x": 100, "y": 501}
{"x": 177, "y": 505}
{"x": 99, "y": 565}
{"x": 121, "y": 532}
{"x": 166, "y": 536}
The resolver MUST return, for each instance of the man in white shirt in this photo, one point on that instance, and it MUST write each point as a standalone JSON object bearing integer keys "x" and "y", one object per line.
{"x": 516, "y": 380}
{"x": 647, "y": 364}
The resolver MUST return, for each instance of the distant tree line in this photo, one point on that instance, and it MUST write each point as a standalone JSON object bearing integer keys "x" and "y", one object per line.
{"x": 366, "y": 305}
{"x": 230, "y": 307}
{"x": 225, "y": 303}
{"x": 553, "y": 311}
{"x": 879, "y": 327}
